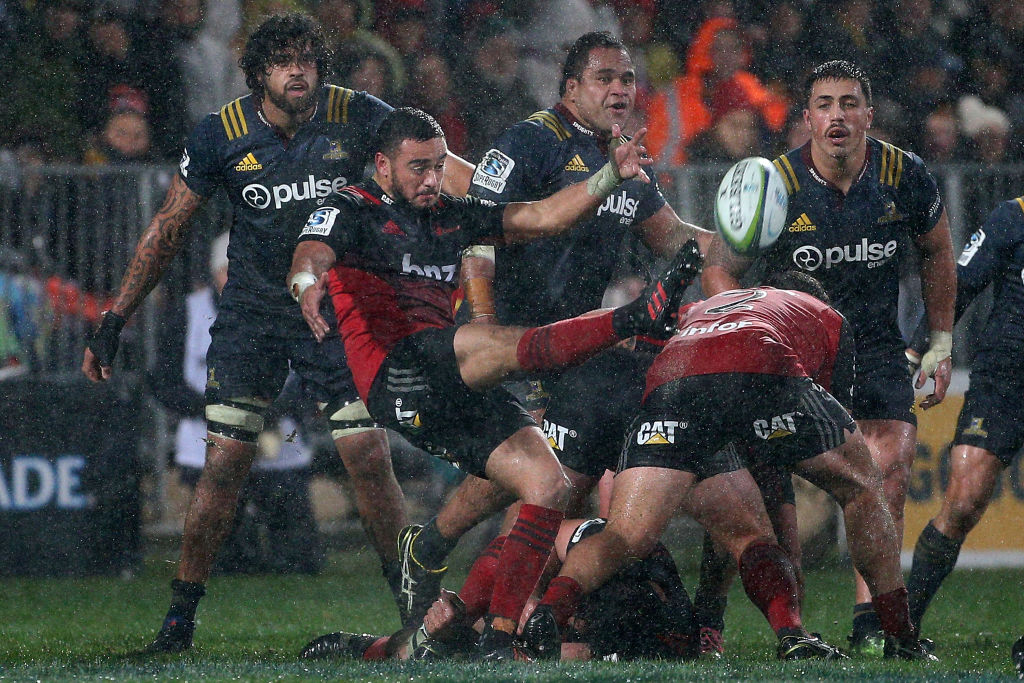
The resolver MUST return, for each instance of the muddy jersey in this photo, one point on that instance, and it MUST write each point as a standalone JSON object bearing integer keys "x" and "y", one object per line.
{"x": 397, "y": 267}
{"x": 557, "y": 277}
{"x": 760, "y": 331}
{"x": 852, "y": 243}
{"x": 273, "y": 183}
{"x": 995, "y": 254}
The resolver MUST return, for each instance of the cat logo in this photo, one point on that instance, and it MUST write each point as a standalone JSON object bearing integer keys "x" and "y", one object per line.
{"x": 335, "y": 153}
{"x": 659, "y": 432}
{"x": 556, "y": 435}
{"x": 780, "y": 426}
{"x": 802, "y": 224}
{"x": 891, "y": 214}
{"x": 576, "y": 164}
{"x": 976, "y": 427}
{"x": 249, "y": 163}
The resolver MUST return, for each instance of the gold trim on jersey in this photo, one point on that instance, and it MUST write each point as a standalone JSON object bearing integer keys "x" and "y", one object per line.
{"x": 788, "y": 175}
{"x": 1020, "y": 201}
{"x": 892, "y": 165}
{"x": 337, "y": 103}
{"x": 234, "y": 120}
{"x": 551, "y": 122}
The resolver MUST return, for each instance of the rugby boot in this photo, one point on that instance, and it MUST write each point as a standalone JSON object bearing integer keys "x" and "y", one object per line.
{"x": 712, "y": 644}
{"x": 175, "y": 636}
{"x": 420, "y": 586}
{"x": 867, "y": 644}
{"x": 498, "y": 646}
{"x": 795, "y": 647}
{"x": 653, "y": 313}
{"x": 1018, "y": 657}
{"x": 339, "y": 645}
{"x": 540, "y": 633}
{"x": 457, "y": 641}
{"x": 908, "y": 648}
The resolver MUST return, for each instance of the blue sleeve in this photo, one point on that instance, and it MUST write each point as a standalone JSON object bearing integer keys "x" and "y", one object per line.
{"x": 980, "y": 259}
{"x": 516, "y": 169}
{"x": 921, "y": 198}
{"x": 327, "y": 224}
{"x": 652, "y": 200}
{"x": 200, "y": 162}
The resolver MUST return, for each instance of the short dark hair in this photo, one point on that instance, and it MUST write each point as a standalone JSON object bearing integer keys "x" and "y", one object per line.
{"x": 579, "y": 53}
{"x": 835, "y": 70}
{"x": 799, "y": 281}
{"x": 406, "y": 123}
{"x": 278, "y": 35}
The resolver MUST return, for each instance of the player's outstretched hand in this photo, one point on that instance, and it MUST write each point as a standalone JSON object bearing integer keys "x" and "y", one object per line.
{"x": 943, "y": 373}
{"x": 630, "y": 155}
{"x": 311, "y": 299}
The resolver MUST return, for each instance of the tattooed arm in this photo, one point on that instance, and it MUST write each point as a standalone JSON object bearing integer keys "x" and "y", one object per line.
{"x": 162, "y": 239}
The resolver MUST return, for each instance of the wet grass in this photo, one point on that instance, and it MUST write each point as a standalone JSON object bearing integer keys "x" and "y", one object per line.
{"x": 251, "y": 629}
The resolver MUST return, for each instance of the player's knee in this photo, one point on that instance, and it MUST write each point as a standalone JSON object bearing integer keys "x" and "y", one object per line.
{"x": 348, "y": 419}
{"x": 238, "y": 419}
{"x": 548, "y": 487}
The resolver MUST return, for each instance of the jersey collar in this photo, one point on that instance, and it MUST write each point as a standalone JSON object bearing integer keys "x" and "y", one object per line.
{"x": 577, "y": 125}
{"x": 805, "y": 155}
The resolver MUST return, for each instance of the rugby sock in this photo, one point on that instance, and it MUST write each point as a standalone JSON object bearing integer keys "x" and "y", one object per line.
{"x": 566, "y": 342}
{"x": 770, "y": 581}
{"x": 522, "y": 559}
{"x": 563, "y": 597}
{"x": 430, "y": 549}
{"x": 378, "y": 650}
{"x": 185, "y": 597}
{"x": 935, "y": 556}
{"x": 479, "y": 585}
{"x": 893, "y": 614}
{"x": 709, "y": 602}
{"x": 392, "y": 571}
{"x": 865, "y": 620}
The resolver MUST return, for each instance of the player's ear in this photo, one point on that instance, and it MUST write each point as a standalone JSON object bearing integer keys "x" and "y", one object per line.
{"x": 382, "y": 164}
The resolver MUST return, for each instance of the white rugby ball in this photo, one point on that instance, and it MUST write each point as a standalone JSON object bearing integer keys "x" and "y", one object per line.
{"x": 751, "y": 205}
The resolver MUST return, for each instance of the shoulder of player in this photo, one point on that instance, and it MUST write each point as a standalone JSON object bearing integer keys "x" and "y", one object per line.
{"x": 344, "y": 105}
{"x": 233, "y": 121}
{"x": 1006, "y": 222}
{"x": 791, "y": 167}
{"x": 352, "y": 198}
{"x": 544, "y": 126}
{"x": 894, "y": 164}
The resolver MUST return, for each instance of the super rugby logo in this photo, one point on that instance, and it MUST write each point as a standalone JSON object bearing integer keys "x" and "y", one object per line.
{"x": 493, "y": 171}
{"x": 659, "y": 432}
{"x": 620, "y": 204}
{"x": 556, "y": 435}
{"x": 875, "y": 254}
{"x": 259, "y": 197}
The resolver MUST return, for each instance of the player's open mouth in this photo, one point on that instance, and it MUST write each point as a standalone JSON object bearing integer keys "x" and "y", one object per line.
{"x": 837, "y": 134}
{"x": 297, "y": 87}
{"x": 619, "y": 106}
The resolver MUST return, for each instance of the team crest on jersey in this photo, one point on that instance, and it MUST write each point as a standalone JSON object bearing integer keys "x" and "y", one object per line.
{"x": 976, "y": 428}
{"x": 183, "y": 164}
{"x": 659, "y": 432}
{"x": 778, "y": 427}
{"x": 320, "y": 222}
{"x": 493, "y": 171}
{"x": 556, "y": 435}
{"x": 249, "y": 163}
{"x": 335, "y": 153}
{"x": 891, "y": 214}
{"x": 971, "y": 248}
{"x": 407, "y": 418}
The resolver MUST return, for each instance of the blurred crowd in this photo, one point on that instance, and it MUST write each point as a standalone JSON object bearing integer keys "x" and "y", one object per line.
{"x": 116, "y": 81}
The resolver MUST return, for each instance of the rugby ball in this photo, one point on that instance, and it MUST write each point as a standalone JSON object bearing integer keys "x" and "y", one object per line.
{"x": 751, "y": 205}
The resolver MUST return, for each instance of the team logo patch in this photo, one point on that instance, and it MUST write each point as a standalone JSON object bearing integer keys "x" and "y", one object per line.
{"x": 976, "y": 428}
{"x": 659, "y": 432}
{"x": 576, "y": 164}
{"x": 802, "y": 224}
{"x": 249, "y": 163}
{"x": 971, "y": 248}
{"x": 183, "y": 164}
{"x": 891, "y": 214}
{"x": 493, "y": 171}
{"x": 335, "y": 153}
{"x": 778, "y": 427}
{"x": 320, "y": 222}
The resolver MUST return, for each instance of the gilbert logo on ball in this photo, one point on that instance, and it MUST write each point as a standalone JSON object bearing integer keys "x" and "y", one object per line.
{"x": 750, "y": 207}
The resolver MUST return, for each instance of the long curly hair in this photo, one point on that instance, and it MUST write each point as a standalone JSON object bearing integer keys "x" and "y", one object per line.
{"x": 283, "y": 34}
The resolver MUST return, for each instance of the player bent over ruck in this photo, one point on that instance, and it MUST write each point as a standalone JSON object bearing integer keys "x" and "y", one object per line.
{"x": 747, "y": 368}
{"x": 387, "y": 252}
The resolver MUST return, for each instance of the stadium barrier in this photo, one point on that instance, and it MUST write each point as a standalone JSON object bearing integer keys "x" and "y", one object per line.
{"x": 67, "y": 232}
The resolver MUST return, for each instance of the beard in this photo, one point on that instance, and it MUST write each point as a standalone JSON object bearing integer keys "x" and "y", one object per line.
{"x": 290, "y": 106}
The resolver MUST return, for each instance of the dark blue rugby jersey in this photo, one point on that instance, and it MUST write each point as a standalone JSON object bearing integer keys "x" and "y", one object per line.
{"x": 853, "y": 243}
{"x": 995, "y": 253}
{"x": 273, "y": 183}
{"x": 557, "y": 277}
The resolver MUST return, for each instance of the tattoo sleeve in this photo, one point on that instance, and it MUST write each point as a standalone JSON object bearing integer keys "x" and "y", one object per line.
{"x": 160, "y": 241}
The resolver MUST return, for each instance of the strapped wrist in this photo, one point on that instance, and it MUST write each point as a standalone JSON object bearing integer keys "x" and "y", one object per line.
{"x": 604, "y": 182}
{"x": 941, "y": 343}
{"x": 299, "y": 283}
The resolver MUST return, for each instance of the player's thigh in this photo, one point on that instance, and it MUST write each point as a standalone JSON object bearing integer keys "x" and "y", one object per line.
{"x": 486, "y": 354}
{"x": 525, "y": 465}
{"x": 843, "y": 471}
{"x": 729, "y": 506}
{"x": 644, "y": 499}
{"x": 992, "y": 418}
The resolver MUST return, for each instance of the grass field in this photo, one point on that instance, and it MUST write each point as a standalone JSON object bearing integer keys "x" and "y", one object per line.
{"x": 251, "y": 629}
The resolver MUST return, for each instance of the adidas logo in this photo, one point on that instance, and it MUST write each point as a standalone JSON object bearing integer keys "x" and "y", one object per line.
{"x": 391, "y": 228}
{"x": 576, "y": 164}
{"x": 802, "y": 224}
{"x": 249, "y": 163}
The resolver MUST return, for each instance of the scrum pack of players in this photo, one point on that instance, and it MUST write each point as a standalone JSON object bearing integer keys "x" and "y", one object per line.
{"x": 556, "y": 195}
